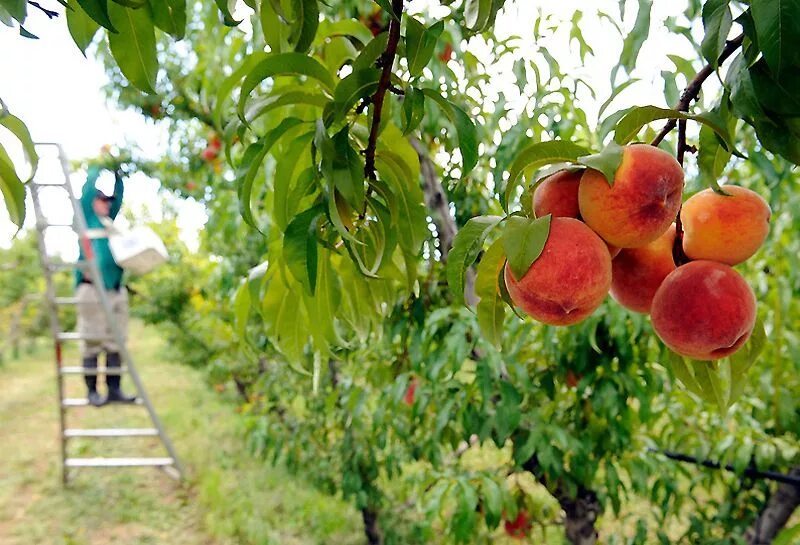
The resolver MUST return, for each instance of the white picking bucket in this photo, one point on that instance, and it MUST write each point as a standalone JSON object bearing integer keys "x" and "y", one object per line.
{"x": 139, "y": 250}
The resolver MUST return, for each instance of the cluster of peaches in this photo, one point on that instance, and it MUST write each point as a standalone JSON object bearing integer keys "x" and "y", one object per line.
{"x": 621, "y": 238}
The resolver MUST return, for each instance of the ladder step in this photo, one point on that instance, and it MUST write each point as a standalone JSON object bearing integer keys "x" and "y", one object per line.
{"x": 75, "y": 336}
{"x": 41, "y": 226}
{"x": 56, "y": 266}
{"x": 118, "y": 462}
{"x": 93, "y": 371}
{"x": 66, "y": 300}
{"x": 111, "y": 432}
{"x": 83, "y": 402}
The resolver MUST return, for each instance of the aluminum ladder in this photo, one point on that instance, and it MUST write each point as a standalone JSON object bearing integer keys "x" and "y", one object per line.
{"x": 170, "y": 464}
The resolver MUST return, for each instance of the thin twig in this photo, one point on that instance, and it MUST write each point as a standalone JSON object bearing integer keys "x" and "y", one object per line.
{"x": 748, "y": 472}
{"x": 50, "y": 14}
{"x": 386, "y": 60}
{"x": 692, "y": 91}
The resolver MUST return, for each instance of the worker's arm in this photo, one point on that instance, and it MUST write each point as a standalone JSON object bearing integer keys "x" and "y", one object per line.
{"x": 119, "y": 189}
{"x": 89, "y": 191}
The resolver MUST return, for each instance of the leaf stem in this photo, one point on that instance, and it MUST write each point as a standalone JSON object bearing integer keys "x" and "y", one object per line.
{"x": 386, "y": 61}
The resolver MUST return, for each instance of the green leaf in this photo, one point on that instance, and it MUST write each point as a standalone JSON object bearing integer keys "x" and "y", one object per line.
{"x": 405, "y": 201}
{"x": 788, "y": 536}
{"x": 743, "y": 97}
{"x": 81, "y": 27}
{"x": 707, "y": 375}
{"x": 227, "y": 85}
{"x": 18, "y": 9}
{"x": 614, "y": 94}
{"x": 251, "y": 163}
{"x": 538, "y": 155}
{"x": 635, "y": 38}
{"x": 413, "y": 109}
{"x": 241, "y": 309}
{"x": 744, "y": 358}
{"x": 776, "y": 94}
{"x": 606, "y": 162}
{"x": 18, "y": 129}
{"x": 12, "y": 189}
{"x": 777, "y": 24}
{"x": 371, "y": 52}
{"x": 387, "y": 7}
{"x": 307, "y": 13}
{"x": 134, "y": 46}
{"x": 353, "y": 88}
{"x": 98, "y": 10}
{"x": 227, "y": 18}
{"x": 711, "y": 158}
{"x": 282, "y": 64}
{"x": 465, "y": 128}
{"x": 467, "y": 244}
{"x": 477, "y": 13}
{"x": 717, "y": 23}
{"x": 629, "y": 126}
{"x": 26, "y": 34}
{"x": 170, "y": 16}
{"x": 523, "y": 241}
{"x": 683, "y": 372}
{"x": 492, "y": 502}
{"x": 420, "y": 43}
{"x": 341, "y": 165}
{"x": 300, "y": 246}
{"x": 491, "y": 310}
{"x": 264, "y": 105}
{"x": 465, "y": 517}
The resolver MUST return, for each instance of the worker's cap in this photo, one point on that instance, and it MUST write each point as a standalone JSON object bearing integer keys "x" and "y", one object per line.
{"x": 102, "y": 196}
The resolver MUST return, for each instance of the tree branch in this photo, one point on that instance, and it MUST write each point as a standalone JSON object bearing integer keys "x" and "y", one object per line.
{"x": 776, "y": 513}
{"x": 692, "y": 91}
{"x": 386, "y": 61}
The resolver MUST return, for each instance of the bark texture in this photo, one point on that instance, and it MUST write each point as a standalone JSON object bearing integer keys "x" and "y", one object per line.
{"x": 776, "y": 513}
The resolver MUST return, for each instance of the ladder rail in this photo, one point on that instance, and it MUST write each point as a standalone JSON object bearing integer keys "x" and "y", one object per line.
{"x": 81, "y": 227}
{"x": 55, "y": 328}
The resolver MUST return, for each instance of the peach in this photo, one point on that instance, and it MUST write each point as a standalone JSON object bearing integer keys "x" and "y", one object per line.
{"x": 704, "y": 310}
{"x": 570, "y": 278}
{"x": 558, "y": 195}
{"x": 724, "y": 228}
{"x": 637, "y": 273}
{"x": 641, "y": 204}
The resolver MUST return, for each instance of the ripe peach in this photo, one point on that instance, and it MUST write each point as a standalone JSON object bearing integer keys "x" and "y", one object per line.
{"x": 704, "y": 310}
{"x": 558, "y": 195}
{"x": 643, "y": 201}
{"x": 570, "y": 278}
{"x": 519, "y": 527}
{"x": 638, "y": 272}
{"x": 725, "y": 228}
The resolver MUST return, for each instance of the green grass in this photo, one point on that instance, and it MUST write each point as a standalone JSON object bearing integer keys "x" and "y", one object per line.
{"x": 228, "y": 498}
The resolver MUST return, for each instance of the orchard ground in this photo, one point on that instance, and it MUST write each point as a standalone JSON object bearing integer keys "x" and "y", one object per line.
{"x": 230, "y": 497}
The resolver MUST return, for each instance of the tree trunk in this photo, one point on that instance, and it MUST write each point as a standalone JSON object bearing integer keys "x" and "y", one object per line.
{"x": 582, "y": 514}
{"x": 775, "y": 514}
{"x": 439, "y": 209}
{"x": 370, "y": 518}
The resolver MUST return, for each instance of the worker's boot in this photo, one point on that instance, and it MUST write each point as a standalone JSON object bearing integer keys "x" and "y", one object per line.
{"x": 115, "y": 394}
{"x": 95, "y": 399}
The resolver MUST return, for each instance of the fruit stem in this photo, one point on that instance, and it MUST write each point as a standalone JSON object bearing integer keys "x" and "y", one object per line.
{"x": 386, "y": 62}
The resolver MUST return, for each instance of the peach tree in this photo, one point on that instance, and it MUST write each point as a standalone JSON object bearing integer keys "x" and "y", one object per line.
{"x": 365, "y": 155}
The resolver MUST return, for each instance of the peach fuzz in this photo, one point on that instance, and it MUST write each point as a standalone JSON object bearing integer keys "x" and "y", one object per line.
{"x": 704, "y": 310}
{"x": 643, "y": 201}
{"x": 724, "y": 228}
{"x": 558, "y": 195}
{"x": 637, "y": 273}
{"x": 569, "y": 279}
